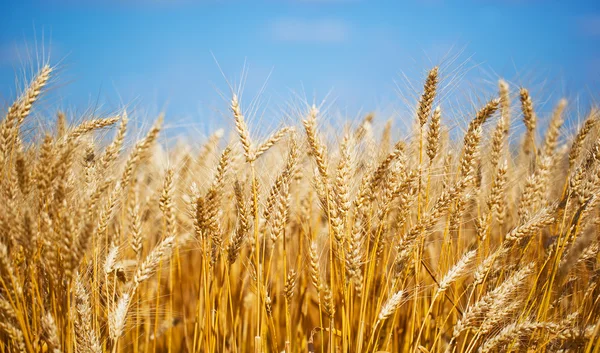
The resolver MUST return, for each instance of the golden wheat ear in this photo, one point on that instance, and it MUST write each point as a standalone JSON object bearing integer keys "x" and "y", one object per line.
{"x": 19, "y": 110}
{"x": 433, "y": 135}
{"x": 242, "y": 130}
{"x": 139, "y": 152}
{"x": 529, "y": 119}
{"x": 426, "y": 100}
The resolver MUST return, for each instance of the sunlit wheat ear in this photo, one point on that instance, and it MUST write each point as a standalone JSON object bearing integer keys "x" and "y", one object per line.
{"x": 456, "y": 271}
{"x": 504, "y": 105}
{"x": 342, "y": 177}
{"x": 280, "y": 213}
{"x": 118, "y": 316}
{"x": 106, "y": 213}
{"x": 441, "y": 205}
{"x": 362, "y": 129}
{"x": 487, "y": 264}
{"x": 328, "y": 301}
{"x": 272, "y": 140}
{"x": 10, "y": 125}
{"x": 61, "y": 124}
{"x": 470, "y": 150}
{"x": 290, "y": 285}
{"x": 383, "y": 168}
{"x": 15, "y": 335}
{"x": 33, "y": 91}
{"x": 22, "y": 107}
{"x": 433, "y": 136}
{"x": 541, "y": 219}
{"x": 135, "y": 228}
{"x": 498, "y": 143}
{"x": 90, "y": 125}
{"x": 242, "y": 130}
{"x": 390, "y": 306}
{"x": 243, "y": 226}
{"x": 576, "y": 251}
{"x": 497, "y": 193}
{"x": 515, "y": 332}
{"x": 147, "y": 268}
{"x": 139, "y": 152}
{"x": 529, "y": 119}
{"x": 166, "y": 203}
{"x": 315, "y": 269}
{"x": 8, "y": 269}
{"x": 386, "y": 137}
{"x": 23, "y": 168}
{"x": 207, "y": 207}
{"x": 6, "y": 309}
{"x": 113, "y": 150}
{"x": 317, "y": 148}
{"x": 280, "y": 189}
{"x": 485, "y": 308}
{"x": 473, "y": 137}
{"x": 553, "y": 131}
{"x": 580, "y": 138}
{"x": 426, "y": 100}
{"x": 51, "y": 332}
{"x": 85, "y": 335}
{"x": 209, "y": 147}
{"x": 111, "y": 259}
{"x": 485, "y": 113}
{"x": 354, "y": 258}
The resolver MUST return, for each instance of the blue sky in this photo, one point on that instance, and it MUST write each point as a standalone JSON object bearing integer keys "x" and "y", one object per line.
{"x": 158, "y": 55}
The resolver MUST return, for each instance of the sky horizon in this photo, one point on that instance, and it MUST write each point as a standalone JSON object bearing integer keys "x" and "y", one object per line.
{"x": 361, "y": 56}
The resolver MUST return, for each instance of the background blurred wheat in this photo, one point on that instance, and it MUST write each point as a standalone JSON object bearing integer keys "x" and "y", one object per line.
{"x": 300, "y": 243}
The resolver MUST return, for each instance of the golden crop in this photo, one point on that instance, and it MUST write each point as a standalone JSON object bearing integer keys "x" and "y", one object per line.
{"x": 357, "y": 243}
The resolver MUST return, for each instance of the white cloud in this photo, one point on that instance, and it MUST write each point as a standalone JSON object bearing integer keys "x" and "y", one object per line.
{"x": 310, "y": 30}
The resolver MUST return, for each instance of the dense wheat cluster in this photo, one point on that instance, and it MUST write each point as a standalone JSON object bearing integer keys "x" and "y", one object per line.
{"x": 301, "y": 243}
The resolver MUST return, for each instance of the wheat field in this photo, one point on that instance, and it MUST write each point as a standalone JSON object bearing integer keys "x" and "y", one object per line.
{"x": 303, "y": 241}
